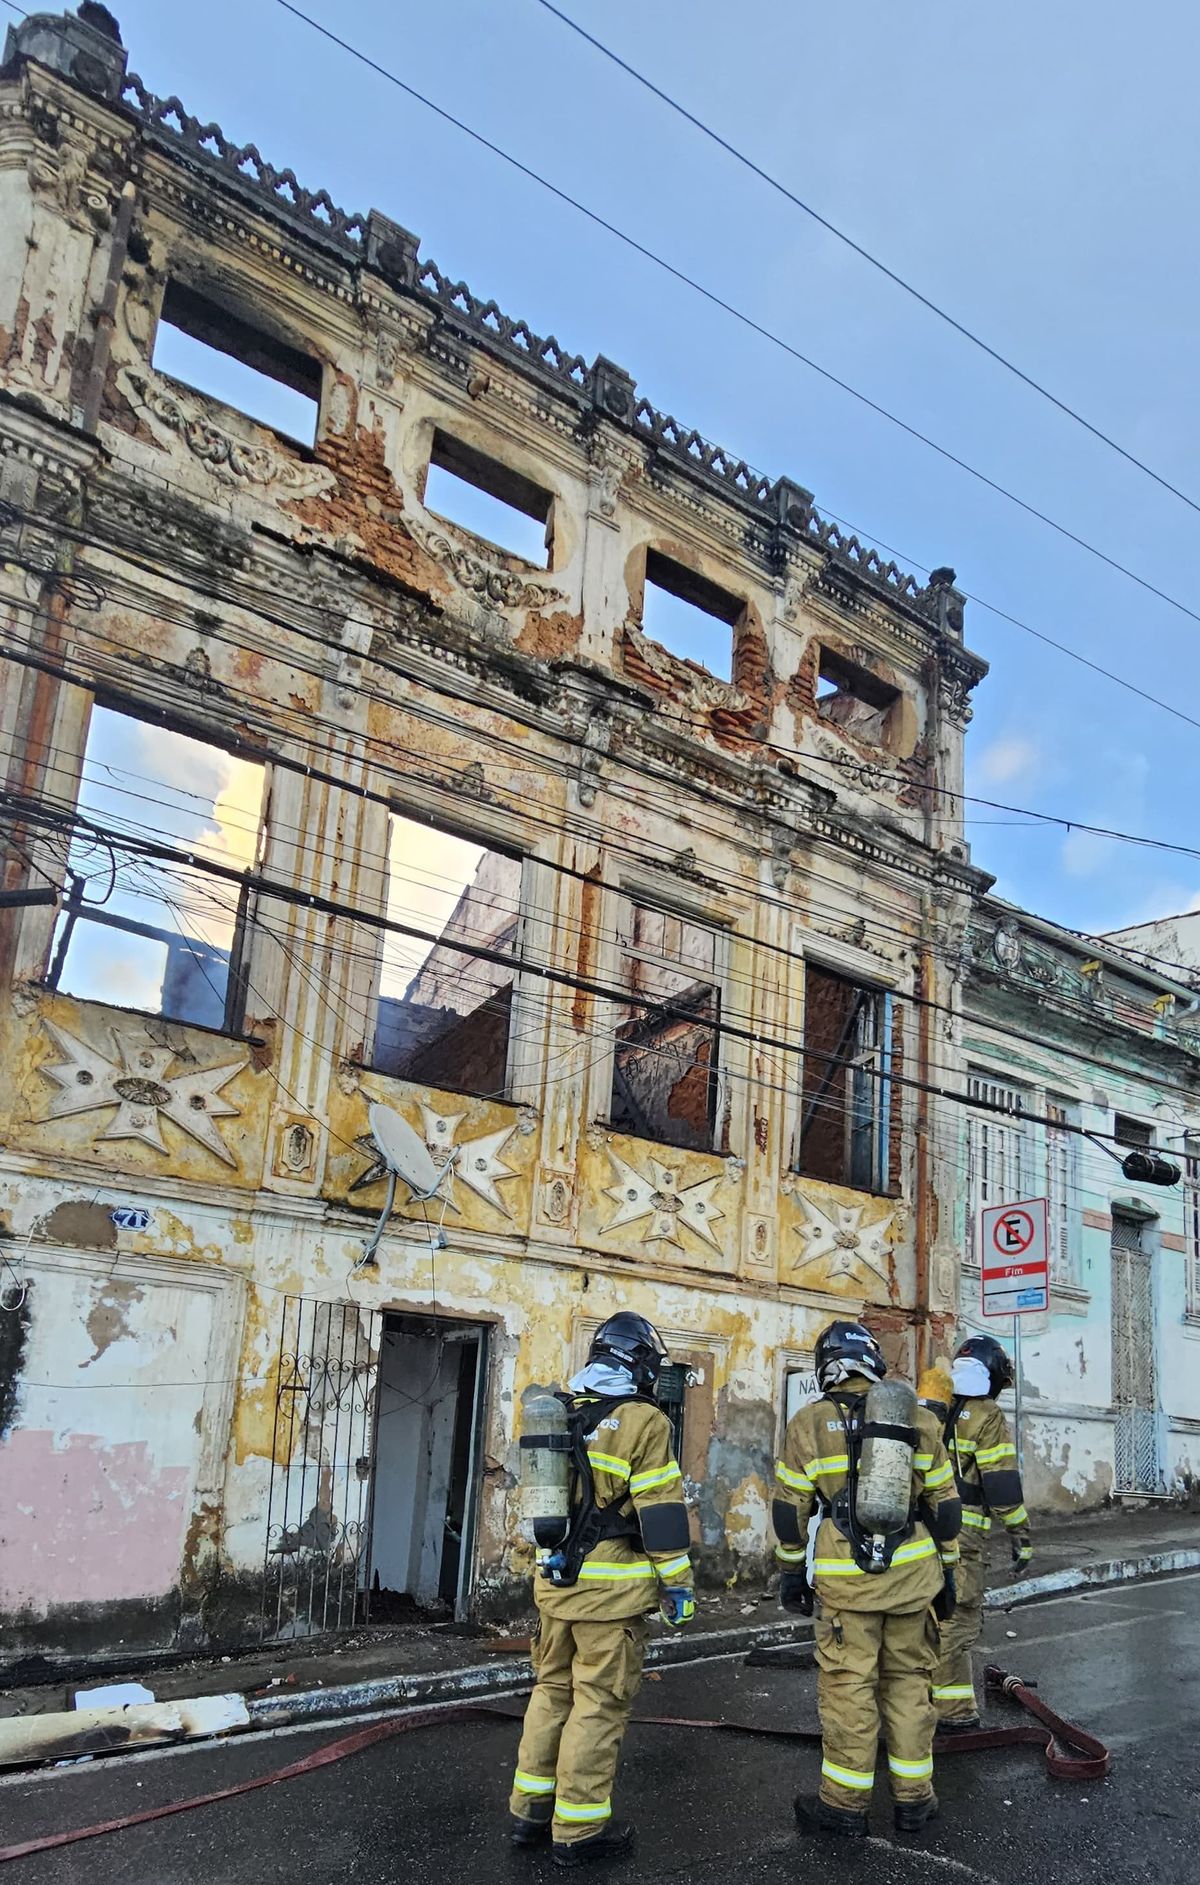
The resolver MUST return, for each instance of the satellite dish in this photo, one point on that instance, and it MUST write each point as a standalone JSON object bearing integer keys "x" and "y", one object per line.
{"x": 407, "y": 1157}
{"x": 402, "y": 1151}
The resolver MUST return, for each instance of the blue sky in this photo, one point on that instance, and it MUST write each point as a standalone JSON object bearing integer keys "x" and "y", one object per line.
{"x": 1033, "y": 169}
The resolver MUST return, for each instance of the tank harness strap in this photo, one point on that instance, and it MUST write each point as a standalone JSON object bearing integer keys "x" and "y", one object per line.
{"x": 590, "y": 1522}
{"x": 882, "y": 1430}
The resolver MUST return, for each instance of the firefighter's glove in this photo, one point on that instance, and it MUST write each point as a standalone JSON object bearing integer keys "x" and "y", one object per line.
{"x": 795, "y": 1593}
{"x": 946, "y": 1601}
{"x": 677, "y": 1607}
{"x": 1022, "y": 1559}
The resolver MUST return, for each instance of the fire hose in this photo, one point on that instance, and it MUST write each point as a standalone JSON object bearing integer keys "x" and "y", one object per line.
{"x": 1070, "y": 1752}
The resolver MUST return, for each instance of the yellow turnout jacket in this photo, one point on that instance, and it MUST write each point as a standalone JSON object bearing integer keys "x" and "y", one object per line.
{"x": 985, "y": 1468}
{"x": 815, "y": 1467}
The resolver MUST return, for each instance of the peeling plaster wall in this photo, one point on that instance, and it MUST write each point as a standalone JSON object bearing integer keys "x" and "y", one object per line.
{"x": 107, "y": 1455}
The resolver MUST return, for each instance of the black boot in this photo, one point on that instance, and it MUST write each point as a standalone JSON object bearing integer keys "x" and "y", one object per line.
{"x": 612, "y": 1843}
{"x": 911, "y": 1815}
{"x": 528, "y": 1832}
{"x": 814, "y": 1816}
{"x": 957, "y": 1724}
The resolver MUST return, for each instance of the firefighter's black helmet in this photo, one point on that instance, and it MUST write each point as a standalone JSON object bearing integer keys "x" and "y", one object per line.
{"x": 633, "y": 1343}
{"x": 844, "y": 1348}
{"x": 995, "y": 1358}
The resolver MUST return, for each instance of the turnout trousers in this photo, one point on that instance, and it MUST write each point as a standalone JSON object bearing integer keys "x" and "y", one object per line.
{"x": 587, "y": 1677}
{"x": 954, "y": 1680}
{"x": 875, "y": 1664}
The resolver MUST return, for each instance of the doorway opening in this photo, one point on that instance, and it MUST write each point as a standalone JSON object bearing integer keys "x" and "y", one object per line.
{"x": 430, "y": 1404}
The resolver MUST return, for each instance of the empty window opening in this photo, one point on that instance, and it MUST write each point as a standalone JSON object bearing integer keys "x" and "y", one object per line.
{"x": 665, "y": 1082}
{"x": 426, "y": 1466}
{"x": 140, "y": 932}
{"x": 490, "y": 500}
{"x": 689, "y": 615}
{"x": 218, "y": 353}
{"x": 445, "y": 1014}
{"x": 1132, "y": 1132}
{"x": 843, "y": 1135}
{"x": 852, "y": 698}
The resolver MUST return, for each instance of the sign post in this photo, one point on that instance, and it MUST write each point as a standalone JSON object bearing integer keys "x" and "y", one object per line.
{"x": 1015, "y": 1274}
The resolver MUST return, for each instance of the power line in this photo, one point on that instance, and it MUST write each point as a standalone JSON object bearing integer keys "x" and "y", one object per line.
{"x": 1062, "y": 820}
{"x": 583, "y": 828}
{"x": 452, "y": 781}
{"x": 36, "y": 811}
{"x": 739, "y": 314}
{"x": 781, "y": 189}
{"x": 518, "y": 905}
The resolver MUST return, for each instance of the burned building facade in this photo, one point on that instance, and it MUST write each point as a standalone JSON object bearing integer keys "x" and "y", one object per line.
{"x": 320, "y": 791}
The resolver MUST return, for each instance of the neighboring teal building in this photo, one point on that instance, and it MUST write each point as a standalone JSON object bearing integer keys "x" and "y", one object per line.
{"x": 1097, "y": 1053}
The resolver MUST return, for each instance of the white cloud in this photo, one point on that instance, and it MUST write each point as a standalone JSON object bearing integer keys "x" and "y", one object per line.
{"x": 1007, "y": 759}
{"x": 1086, "y": 854}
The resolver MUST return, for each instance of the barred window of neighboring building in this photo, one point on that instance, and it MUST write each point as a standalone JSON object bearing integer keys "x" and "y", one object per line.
{"x": 999, "y": 1152}
{"x": 1191, "y": 1209}
{"x": 1062, "y": 1188}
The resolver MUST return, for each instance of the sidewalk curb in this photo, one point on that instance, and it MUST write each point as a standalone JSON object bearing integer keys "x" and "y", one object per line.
{"x": 484, "y": 1682}
{"x": 1081, "y": 1576}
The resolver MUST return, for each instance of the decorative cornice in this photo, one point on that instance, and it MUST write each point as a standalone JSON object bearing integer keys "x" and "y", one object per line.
{"x": 853, "y": 573}
{"x": 503, "y": 588}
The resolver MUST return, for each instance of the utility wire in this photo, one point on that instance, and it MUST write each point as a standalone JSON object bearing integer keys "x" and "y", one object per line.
{"x": 943, "y": 792}
{"x": 739, "y": 314}
{"x": 583, "y": 828}
{"x": 797, "y": 202}
{"x": 588, "y": 831}
{"x": 36, "y": 811}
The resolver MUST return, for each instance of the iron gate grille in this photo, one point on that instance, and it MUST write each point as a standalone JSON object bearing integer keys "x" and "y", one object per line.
{"x": 318, "y": 1544}
{"x": 1135, "y": 1384}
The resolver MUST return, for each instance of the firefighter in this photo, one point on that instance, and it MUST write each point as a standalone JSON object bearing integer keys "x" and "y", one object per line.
{"x": 989, "y": 1484}
{"x": 627, "y": 1548}
{"x": 877, "y": 1636}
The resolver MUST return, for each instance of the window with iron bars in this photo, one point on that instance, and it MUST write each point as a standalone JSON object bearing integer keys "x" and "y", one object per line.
{"x": 1010, "y": 1159}
{"x": 1191, "y": 1231}
{"x": 999, "y": 1152}
{"x": 1062, "y": 1191}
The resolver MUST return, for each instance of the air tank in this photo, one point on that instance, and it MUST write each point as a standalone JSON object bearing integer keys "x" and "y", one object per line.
{"x": 884, "y": 1495}
{"x": 545, "y": 1467}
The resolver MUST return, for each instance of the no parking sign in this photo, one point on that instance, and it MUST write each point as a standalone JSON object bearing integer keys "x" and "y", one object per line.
{"x": 1016, "y": 1261}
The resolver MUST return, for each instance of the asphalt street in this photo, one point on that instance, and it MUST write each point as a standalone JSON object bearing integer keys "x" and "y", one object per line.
{"x": 430, "y": 1808}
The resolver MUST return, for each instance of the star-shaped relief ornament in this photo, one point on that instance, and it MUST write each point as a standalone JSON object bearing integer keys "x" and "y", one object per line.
{"x": 476, "y": 1162}
{"x": 664, "y": 1201}
{"x": 834, "y": 1234}
{"x": 139, "y": 1084}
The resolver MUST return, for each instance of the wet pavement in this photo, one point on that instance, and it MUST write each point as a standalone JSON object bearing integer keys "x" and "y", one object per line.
{"x": 428, "y": 1809}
